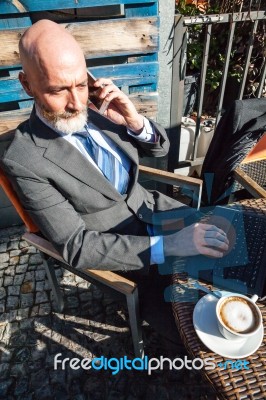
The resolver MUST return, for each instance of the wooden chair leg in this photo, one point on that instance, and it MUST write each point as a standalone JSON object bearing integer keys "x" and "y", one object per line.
{"x": 135, "y": 323}
{"x": 50, "y": 272}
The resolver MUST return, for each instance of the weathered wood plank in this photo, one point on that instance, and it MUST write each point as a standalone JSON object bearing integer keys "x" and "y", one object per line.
{"x": 11, "y": 23}
{"x": 141, "y": 10}
{"x": 146, "y": 104}
{"x": 110, "y": 37}
{"x": 122, "y": 75}
{"x": 20, "y": 6}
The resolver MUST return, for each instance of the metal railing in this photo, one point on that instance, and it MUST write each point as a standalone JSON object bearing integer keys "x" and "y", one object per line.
{"x": 179, "y": 38}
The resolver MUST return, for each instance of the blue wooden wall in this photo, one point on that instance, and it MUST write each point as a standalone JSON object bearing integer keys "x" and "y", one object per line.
{"x": 134, "y": 70}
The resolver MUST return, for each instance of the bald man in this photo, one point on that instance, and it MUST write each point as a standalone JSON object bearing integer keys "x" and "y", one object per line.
{"x": 96, "y": 216}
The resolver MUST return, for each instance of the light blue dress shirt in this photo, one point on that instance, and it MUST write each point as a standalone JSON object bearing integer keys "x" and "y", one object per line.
{"x": 147, "y": 135}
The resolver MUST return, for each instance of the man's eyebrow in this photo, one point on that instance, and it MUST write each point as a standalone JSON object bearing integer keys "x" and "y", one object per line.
{"x": 51, "y": 88}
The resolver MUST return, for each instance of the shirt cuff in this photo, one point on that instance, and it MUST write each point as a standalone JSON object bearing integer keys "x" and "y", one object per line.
{"x": 147, "y": 134}
{"x": 157, "y": 253}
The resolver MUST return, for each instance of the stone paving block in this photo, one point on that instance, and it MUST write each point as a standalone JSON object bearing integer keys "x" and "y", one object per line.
{"x": 13, "y": 327}
{"x": 13, "y": 290}
{"x": 6, "y": 356}
{"x": 27, "y": 323}
{"x": 45, "y": 309}
{"x": 4, "y": 257}
{"x": 41, "y": 297}
{"x": 10, "y": 270}
{"x": 21, "y": 387}
{"x": 24, "y": 259}
{"x": 3, "y": 247}
{"x": 2, "y": 293}
{"x": 83, "y": 285}
{"x": 1, "y": 272}
{"x": 72, "y": 302}
{"x": 3, "y": 318}
{"x": 70, "y": 291}
{"x": 28, "y": 286}
{"x": 18, "y": 279}
{"x": 40, "y": 275}
{"x": 34, "y": 311}
{"x": 8, "y": 280}
{"x": 23, "y": 244}
{"x": 41, "y": 267}
{"x": 85, "y": 296}
{"x": 4, "y": 385}
{"x": 35, "y": 259}
{"x": 67, "y": 280}
{"x": 26, "y": 300}
{"x": 14, "y": 260}
{"x": 58, "y": 272}
{"x": 32, "y": 267}
{"x": 32, "y": 250}
{"x": 14, "y": 253}
{"x": 97, "y": 294}
{"x": 21, "y": 268}
{"x": 2, "y": 306}
{"x": 40, "y": 286}
{"x": 29, "y": 276}
{"x": 22, "y": 355}
{"x": 13, "y": 245}
{"x": 47, "y": 285}
{"x": 22, "y": 313}
{"x": 12, "y": 302}
{"x": 17, "y": 370}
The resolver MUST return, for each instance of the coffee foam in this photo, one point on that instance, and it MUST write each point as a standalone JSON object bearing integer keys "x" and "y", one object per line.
{"x": 239, "y": 315}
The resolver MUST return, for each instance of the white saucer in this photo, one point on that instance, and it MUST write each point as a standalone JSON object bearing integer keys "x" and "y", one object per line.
{"x": 205, "y": 324}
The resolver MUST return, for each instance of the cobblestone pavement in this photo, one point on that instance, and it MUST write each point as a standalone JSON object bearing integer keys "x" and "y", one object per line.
{"x": 91, "y": 325}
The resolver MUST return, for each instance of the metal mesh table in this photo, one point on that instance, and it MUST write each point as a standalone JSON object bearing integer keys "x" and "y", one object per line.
{"x": 229, "y": 384}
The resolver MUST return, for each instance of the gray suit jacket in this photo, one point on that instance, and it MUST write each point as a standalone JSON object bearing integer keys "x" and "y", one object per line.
{"x": 75, "y": 207}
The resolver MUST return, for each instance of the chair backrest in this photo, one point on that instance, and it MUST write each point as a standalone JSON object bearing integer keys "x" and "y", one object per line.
{"x": 258, "y": 152}
{"x": 11, "y": 194}
{"x": 238, "y": 131}
{"x": 120, "y": 41}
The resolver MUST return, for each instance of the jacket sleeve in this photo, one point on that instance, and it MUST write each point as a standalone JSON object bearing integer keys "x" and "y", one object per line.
{"x": 158, "y": 149}
{"x": 64, "y": 227}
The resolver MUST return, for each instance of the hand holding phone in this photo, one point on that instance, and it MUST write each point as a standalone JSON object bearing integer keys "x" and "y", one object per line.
{"x": 94, "y": 93}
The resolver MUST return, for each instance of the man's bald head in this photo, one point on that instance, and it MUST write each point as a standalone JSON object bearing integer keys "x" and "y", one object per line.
{"x": 47, "y": 45}
{"x": 55, "y": 75}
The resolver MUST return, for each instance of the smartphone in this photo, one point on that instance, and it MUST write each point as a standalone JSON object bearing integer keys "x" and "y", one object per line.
{"x": 94, "y": 92}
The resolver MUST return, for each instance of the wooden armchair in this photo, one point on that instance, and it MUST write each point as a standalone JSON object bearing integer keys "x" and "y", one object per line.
{"x": 106, "y": 279}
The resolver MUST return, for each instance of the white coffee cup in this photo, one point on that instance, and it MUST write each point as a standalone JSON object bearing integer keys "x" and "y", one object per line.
{"x": 238, "y": 316}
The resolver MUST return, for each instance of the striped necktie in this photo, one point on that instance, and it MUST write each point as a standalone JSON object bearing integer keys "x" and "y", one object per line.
{"x": 110, "y": 166}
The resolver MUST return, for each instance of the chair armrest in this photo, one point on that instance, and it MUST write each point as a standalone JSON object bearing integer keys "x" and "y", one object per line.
{"x": 171, "y": 178}
{"x": 249, "y": 184}
{"x": 108, "y": 278}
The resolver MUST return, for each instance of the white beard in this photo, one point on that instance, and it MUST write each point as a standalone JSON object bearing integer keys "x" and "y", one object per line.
{"x": 63, "y": 125}
{"x": 71, "y": 125}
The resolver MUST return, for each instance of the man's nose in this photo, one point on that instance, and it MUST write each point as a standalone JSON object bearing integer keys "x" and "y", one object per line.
{"x": 74, "y": 102}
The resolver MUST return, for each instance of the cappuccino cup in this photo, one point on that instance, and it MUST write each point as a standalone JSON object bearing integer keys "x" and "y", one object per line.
{"x": 238, "y": 316}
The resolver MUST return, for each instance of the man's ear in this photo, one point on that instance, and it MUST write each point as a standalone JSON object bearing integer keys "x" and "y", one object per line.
{"x": 24, "y": 82}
